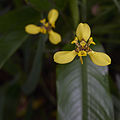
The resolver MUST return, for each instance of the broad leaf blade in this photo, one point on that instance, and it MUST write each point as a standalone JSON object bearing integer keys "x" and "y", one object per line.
{"x": 14, "y": 21}
{"x": 9, "y": 99}
{"x": 10, "y": 43}
{"x": 40, "y": 4}
{"x": 34, "y": 77}
{"x": 61, "y": 4}
{"x": 18, "y": 19}
{"x": 70, "y": 93}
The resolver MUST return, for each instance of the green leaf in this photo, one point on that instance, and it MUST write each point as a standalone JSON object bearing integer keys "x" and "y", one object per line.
{"x": 117, "y": 4}
{"x": 18, "y": 19}
{"x": 34, "y": 77}
{"x": 18, "y": 3}
{"x": 107, "y": 29}
{"x": 2, "y": 102}
{"x": 40, "y": 4}
{"x": 43, "y": 5}
{"x": 14, "y": 21}
{"x": 9, "y": 97}
{"x": 10, "y": 43}
{"x": 12, "y": 99}
{"x": 74, "y": 11}
{"x": 60, "y": 4}
{"x": 83, "y": 95}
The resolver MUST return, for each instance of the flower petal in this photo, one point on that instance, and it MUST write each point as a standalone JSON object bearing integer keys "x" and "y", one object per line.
{"x": 100, "y": 58}
{"x": 32, "y": 29}
{"x": 83, "y": 31}
{"x": 54, "y": 37}
{"x": 52, "y": 16}
{"x": 63, "y": 57}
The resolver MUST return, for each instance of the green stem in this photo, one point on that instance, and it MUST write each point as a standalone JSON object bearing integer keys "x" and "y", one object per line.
{"x": 84, "y": 90}
{"x": 84, "y": 12}
{"x": 84, "y": 73}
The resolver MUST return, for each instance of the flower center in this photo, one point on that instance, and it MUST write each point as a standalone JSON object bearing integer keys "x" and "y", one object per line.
{"x": 82, "y": 47}
{"x": 46, "y": 27}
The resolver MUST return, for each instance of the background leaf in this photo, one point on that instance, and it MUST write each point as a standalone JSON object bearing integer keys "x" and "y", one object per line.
{"x": 60, "y": 4}
{"x": 41, "y": 4}
{"x": 34, "y": 76}
{"x": 18, "y": 19}
{"x": 14, "y": 21}
{"x": 9, "y": 97}
{"x": 9, "y": 44}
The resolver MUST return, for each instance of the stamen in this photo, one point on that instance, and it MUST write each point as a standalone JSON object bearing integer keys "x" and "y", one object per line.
{"x": 75, "y": 41}
{"x": 43, "y": 30}
{"x": 43, "y": 21}
{"x": 91, "y": 41}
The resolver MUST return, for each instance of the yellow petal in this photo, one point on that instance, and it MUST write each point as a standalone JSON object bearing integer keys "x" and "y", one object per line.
{"x": 54, "y": 37}
{"x": 64, "y": 57}
{"x": 32, "y": 29}
{"x": 83, "y": 31}
{"x": 52, "y": 16}
{"x": 100, "y": 58}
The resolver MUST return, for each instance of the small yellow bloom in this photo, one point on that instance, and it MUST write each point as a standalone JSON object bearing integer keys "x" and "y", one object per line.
{"x": 82, "y": 42}
{"x": 46, "y": 27}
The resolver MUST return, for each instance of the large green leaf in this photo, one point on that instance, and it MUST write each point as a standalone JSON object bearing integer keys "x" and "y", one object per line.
{"x": 10, "y": 43}
{"x": 2, "y": 102}
{"x": 12, "y": 27}
{"x": 17, "y": 19}
{"x": 83, "y": 95}
{"x": 9, "y": 99}
{"x": 34, "y": 77}
{"x": 47, "y": 4}
{"x": 60, "y": 4}
{"x": 40, "y": 4}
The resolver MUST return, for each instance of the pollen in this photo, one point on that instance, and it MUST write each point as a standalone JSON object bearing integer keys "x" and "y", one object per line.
{"x": 91, "y": 41}
{"x": 75, "y": 40}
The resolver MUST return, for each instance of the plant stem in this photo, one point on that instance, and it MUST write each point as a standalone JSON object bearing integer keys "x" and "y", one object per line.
{"x": 84, "y": 12}
{"x": 84, "y": 73}
{"x": 84, "y": 90}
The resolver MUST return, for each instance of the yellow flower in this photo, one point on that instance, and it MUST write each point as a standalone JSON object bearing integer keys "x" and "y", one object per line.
{"x": 46, "y": 27}
{"x": 82, "y": 42}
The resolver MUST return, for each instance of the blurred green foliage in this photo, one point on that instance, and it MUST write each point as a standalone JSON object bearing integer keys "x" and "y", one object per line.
{"x": 28, "y": 72}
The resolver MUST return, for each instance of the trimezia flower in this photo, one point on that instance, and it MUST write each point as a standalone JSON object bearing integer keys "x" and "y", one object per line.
{"x": 46, "y": 27}
{"x": 82, "y": 42}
